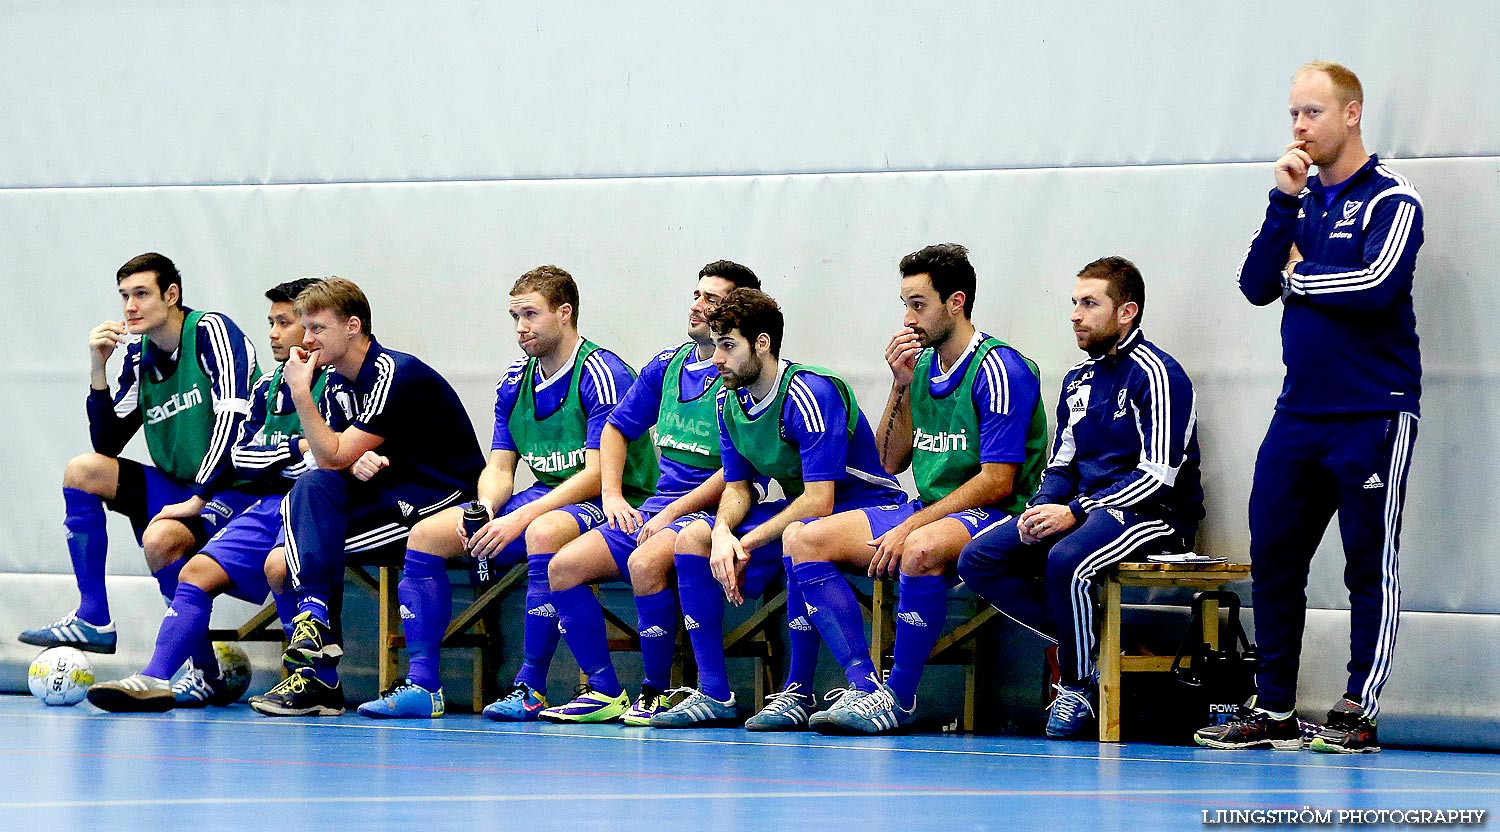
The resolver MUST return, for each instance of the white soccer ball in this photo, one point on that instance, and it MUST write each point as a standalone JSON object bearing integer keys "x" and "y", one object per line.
{"x": 234, "y": 668}
{"x": 60, "y": 675}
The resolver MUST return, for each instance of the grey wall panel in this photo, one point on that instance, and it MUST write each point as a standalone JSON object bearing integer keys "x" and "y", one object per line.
{"x": 159, "y": 92}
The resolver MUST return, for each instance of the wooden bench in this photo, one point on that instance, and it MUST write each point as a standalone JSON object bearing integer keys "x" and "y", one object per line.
{"x": 1112, "y": 662}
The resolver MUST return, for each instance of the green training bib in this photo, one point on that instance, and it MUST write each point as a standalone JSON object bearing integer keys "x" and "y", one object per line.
{"x": 177, "y": 413}
{"x": 687, "y": 430}
{"x": 945, "y": 433}
{"x": 761, "y": 440}
{"x": 282, "y": 425}
{"x": 553, "y": 447}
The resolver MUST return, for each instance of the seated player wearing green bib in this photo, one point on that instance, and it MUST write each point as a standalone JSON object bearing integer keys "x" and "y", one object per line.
{"x": 965, "y": 414}
{"x": 801, "y": 426}
{"x": 271, "y": 454}
{"x": 676, "y": 399}
{"x": 185, "y": 383}
{"x": 550, "y": 410}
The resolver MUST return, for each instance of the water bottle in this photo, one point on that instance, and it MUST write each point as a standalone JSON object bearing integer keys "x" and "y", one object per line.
{"x": 475, "y": 516}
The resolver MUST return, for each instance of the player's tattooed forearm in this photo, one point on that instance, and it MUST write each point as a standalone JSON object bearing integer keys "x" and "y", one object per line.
{"x": 890, "y": 423}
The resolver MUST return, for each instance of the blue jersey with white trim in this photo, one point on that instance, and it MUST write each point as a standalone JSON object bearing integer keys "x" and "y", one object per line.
{"x": 814, "y": 418}
{"x": 1348, "y": 328}
{"x": 606, "y": 378}
{"x": 427, "y": 434}
{"x": 1127, "y": 437}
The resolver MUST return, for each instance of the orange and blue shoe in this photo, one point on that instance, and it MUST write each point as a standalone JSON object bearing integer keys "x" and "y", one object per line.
{"x": 520, "y": 703}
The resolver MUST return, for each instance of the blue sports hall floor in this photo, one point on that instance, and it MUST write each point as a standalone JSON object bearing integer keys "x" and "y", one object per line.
{"x": 228, "y": 769}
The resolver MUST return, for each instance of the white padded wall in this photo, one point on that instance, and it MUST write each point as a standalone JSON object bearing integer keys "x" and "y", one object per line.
{"x": 434, "y": 151}
{"x": 150, "y": 92}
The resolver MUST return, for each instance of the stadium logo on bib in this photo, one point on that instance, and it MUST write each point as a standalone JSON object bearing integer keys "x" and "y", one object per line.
{"x": 941, "y": 442}
{"x": 554, "y": 462}
{"x": 173, "y": 406}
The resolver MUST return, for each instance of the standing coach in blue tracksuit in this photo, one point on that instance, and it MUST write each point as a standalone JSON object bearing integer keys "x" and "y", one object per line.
{"x": 1338, "y": 250}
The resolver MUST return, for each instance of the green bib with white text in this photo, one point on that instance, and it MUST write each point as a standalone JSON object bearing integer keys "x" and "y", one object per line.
{"x": 761, "y": 440}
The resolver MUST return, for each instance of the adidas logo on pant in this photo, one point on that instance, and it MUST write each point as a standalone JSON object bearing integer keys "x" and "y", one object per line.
{"x": 545, "y": 611}
{"x": 799, "y": 623}
{"x": 689, "y": 623}
{"x": 1373, "y": 482}
{"x": 653, "y": 632}
{"x": 407, "y": 614}
{"x": 912, "y": 619}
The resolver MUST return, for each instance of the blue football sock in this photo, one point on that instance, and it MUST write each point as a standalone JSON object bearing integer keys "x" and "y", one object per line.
{"x": 204, "y": 658}
{"x": 539, "y": 632}
{"x": 703, "y": 615}
{"x": 88, "y": 546}
{"x": 328, "y": 674}
{"x": 834, "y": 609}
{"x": 802, "y": 636}
{"x": 286, "y": 610}
{"x": 921, "y": 612}
{"x": 183, "y": 629}
{"x": 582, "y": 621}
{"x": 426, "y": 605}
{"x": 201, "y": 650}
{"x": 166, "y": 579}
{"x": 313, "y": 604}
{"x": 656, "y": 621}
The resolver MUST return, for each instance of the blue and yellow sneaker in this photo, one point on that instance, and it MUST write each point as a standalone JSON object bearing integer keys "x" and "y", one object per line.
{"x": 72, "y": 631}
{"x": 406, "y": 701}
{"x": 650, "y": 703}
{"x": 310, "y": 644}
{"x": 301, "y": 694}
{"x": 588, "y": 705}
{"x": 520, "y": 703}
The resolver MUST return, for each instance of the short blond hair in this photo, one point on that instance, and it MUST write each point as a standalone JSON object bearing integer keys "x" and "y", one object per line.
{"x": 1345, "y": 83}
{"x": 339, "y": 294}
